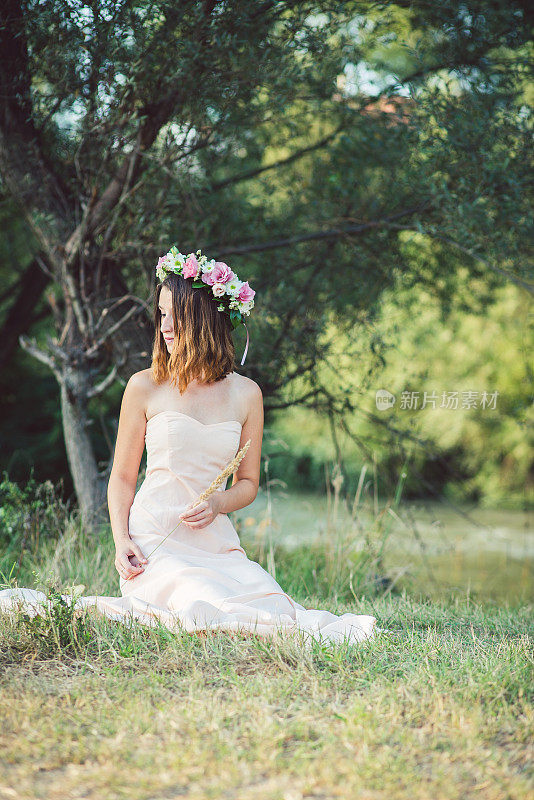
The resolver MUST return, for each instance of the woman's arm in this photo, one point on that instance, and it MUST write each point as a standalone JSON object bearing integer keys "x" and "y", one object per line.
{"x": 246, "y": 480}
{"x": 127, "y": 456}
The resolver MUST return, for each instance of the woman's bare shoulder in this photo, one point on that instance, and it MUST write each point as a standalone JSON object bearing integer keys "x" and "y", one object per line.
{"x": 142, "y": 379}
{"x": 247, "y": 385}
{"x": 251, "y": 405}
{"x": 250, "y": 399}
{"x": 141, "y": 384}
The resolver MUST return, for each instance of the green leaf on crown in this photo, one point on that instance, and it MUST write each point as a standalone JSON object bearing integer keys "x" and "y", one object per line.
{"x": 235, "y": 317}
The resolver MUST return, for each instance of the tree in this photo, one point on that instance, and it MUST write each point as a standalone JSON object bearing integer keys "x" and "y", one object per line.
{"x": 126, "y": 126}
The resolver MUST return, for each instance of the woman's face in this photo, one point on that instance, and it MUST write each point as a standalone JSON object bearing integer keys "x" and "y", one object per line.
{"x": 165, "y": 316}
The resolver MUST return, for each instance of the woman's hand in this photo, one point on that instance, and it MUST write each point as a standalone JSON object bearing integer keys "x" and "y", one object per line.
{"x": 203, "y": 514}
{"x": 129, "y": 559}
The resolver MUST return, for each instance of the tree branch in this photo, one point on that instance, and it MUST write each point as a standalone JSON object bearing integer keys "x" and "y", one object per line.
{"x": 432, "y": 235}
{"x": 154, "y": 114}
{"x": 115, "y": 305}
{"x": 333, "y": 233}
{"x": 295, "y": 401}
{"x": 41, "y": 355}
{"x": 245, "y": 176}
{"x": 114, "y": 328}
{"x": 101, "y": 387}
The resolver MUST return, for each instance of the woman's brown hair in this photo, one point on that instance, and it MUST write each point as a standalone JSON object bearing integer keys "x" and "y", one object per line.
{"x": 203, "y": 348}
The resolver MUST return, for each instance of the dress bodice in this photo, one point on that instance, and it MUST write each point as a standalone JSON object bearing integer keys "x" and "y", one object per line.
{"x": 184, "y": 456}
{"x": 193, "y": 451}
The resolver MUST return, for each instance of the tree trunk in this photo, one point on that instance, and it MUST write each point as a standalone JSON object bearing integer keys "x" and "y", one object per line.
{"x": 90, "y": 486}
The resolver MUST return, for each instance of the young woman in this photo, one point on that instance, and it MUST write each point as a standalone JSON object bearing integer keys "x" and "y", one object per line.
{"x": 179, "y": 563}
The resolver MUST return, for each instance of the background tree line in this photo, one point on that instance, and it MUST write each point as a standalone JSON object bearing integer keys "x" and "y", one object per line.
{"x": 334, "y": 152}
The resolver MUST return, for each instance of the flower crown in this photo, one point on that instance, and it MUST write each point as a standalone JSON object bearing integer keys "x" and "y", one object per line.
{"x": 234, "y": 297}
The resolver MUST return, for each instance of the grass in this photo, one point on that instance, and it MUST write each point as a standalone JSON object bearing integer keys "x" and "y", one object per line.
{"x": 437, "y": 706}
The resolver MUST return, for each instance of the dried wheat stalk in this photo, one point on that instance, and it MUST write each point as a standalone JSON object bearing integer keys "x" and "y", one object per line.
{"x": 229, "y": 469}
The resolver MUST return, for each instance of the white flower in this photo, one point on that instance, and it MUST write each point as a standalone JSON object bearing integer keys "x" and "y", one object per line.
{"x": 176, "y": 263}
{"x": 244, "y": 308}
{"x": 233, "y": 286}
{"x": 208, "y": 267}
{"x": 219, "y": 289}
{"x": 162, "y": 268}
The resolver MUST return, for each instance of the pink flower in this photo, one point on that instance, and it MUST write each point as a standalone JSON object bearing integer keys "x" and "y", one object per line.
{"x": 221, "y": 273}
{"x": 245, "y": 293}
{"x": 162, "y": 262}
{"x": 190, "y": 268}
{"x": 218, "y": 289}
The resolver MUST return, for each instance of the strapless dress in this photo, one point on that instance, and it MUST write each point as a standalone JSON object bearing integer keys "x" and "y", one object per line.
{"x": 198, "y": 578}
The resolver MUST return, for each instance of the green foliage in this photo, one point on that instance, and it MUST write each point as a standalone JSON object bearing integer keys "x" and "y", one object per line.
{"x": 59, "y": 630}
{"x": 54, "y": 627}
{"x": 476, "y": 342}
{"x": 328, "y": 150}
{"x": 29, "y": 513}
{"x": 312, "y": 571}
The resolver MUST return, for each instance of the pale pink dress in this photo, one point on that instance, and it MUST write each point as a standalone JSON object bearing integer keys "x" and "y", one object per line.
{"x": 199, "y": 578}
